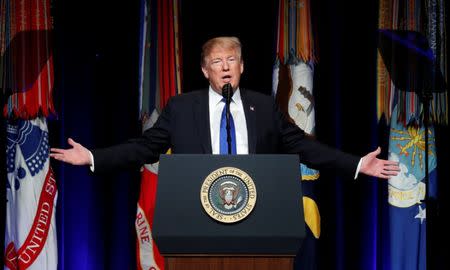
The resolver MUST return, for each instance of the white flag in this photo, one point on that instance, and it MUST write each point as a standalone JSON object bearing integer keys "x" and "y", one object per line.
{"x": 30, "y": 234}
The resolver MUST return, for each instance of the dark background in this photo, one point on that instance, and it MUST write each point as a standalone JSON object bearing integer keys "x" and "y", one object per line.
{"x": 96, "y": 73}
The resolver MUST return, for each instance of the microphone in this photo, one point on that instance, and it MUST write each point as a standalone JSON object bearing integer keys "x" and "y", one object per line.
{"x": 227, "y": 93}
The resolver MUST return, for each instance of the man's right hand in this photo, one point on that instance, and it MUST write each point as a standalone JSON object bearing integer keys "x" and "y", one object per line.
{"x": 77, "y": 155}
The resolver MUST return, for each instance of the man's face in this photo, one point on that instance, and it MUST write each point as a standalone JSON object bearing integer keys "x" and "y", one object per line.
{"x": 223, "y": 66}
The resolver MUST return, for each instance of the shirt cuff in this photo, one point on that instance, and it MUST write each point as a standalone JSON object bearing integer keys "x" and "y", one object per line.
{"x": 356, "y": 173}
{"x": 92, "y": 167}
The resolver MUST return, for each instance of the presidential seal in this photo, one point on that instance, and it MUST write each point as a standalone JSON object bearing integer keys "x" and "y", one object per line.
{"x": 228, "y": 195}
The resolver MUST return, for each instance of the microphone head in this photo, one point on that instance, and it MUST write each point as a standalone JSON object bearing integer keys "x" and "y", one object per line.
{"x": 227, "y": 92}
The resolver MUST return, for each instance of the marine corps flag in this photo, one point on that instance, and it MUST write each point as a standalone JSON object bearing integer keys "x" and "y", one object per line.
{"x": 160, "y": 79}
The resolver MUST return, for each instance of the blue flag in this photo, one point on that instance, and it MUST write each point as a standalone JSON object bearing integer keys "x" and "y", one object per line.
{"x": 406, "y": 192}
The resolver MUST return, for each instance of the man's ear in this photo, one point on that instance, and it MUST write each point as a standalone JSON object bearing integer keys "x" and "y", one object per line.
{"x": 205, "y": 73}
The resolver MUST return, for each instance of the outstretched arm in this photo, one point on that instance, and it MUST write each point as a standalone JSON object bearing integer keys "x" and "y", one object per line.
{"x": 373, "y": 166}
{"x": 77, "y": 155}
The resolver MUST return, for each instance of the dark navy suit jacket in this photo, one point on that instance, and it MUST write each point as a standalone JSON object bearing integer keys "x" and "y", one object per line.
{"x": 184, "y": 127}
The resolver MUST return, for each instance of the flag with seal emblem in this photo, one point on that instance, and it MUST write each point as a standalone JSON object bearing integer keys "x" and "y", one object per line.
{"x": 413, "y": 192}
{"x": 27, "y": 80}
{"x": 30, "y": 235}
{"x": 406, "y": 193}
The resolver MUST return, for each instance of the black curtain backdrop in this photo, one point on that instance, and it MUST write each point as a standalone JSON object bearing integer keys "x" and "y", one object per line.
{"x": 96, "y": 95}
{"x": 96, "y": 66}
{"x": 253, "y": 22}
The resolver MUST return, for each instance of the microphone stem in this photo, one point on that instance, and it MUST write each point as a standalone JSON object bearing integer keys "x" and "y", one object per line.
{"x": 227, "y": 92}
{"x": 228, "y": 127}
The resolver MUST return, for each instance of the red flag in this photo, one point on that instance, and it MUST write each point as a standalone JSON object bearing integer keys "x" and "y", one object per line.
{"x": 148, "y": 254}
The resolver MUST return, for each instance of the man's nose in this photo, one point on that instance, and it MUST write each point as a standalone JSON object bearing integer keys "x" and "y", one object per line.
{"x": 225, "y": 65}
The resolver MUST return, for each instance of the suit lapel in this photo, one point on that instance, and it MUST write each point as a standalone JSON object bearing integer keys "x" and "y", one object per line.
{"x": 201, "y": 119}
{"x": 250, "y": 118}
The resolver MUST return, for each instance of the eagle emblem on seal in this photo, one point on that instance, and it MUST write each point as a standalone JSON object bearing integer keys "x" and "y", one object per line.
{"x": 229, "y": 192}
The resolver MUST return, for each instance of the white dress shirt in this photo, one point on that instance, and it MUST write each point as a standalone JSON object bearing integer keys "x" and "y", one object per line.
{"x": 216, "y": 106}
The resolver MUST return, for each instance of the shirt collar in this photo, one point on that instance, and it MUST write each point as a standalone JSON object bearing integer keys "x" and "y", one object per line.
{"x": 216, "y": 98}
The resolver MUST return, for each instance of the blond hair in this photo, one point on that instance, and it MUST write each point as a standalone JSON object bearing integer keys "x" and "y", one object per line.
{"x": 223, "y": 42}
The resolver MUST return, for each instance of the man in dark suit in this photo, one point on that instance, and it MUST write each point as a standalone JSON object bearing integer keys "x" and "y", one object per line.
{"x": 191, "y": 123}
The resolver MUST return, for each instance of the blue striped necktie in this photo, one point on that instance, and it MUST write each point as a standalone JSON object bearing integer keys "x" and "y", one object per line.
{"x": 223, "y": 133}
